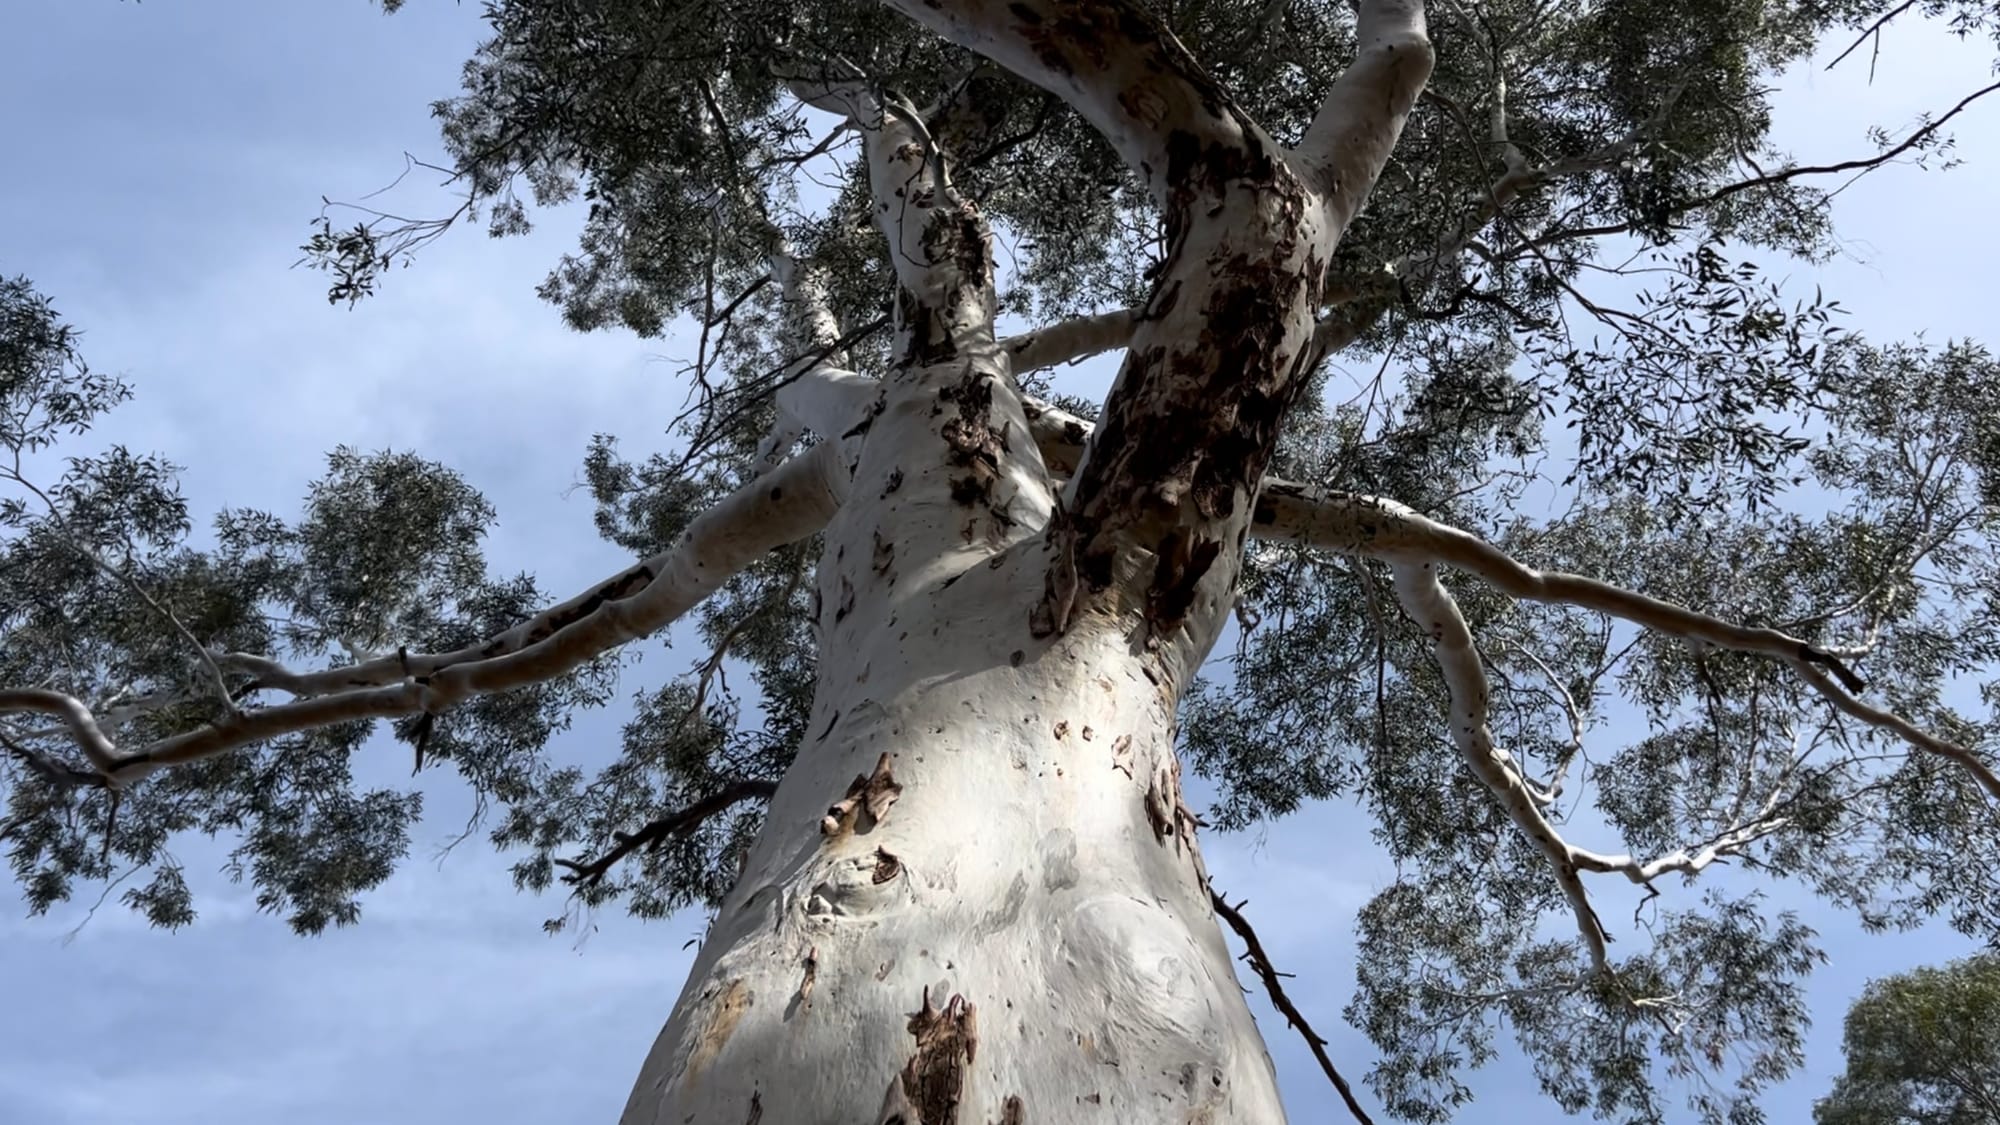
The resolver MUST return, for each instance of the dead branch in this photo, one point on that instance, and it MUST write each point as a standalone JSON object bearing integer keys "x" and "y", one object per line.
{"x": 588, "y": 873}
{"x": 1260, "y": 962}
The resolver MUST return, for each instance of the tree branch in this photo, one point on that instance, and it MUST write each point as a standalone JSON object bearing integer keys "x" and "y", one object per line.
{"x": 1352, "y": 524}
{"x": 1069, "y": 340}
{"x": 788, "y": 504}
{"x": 1917, "y": 137}
{"x": 1111, "y": 62}
{"x": 1432, "y": 607}
{"x": 1349, "y": 141}
{"x": 588, "y": 873}
{"x": 1260, "y": 962}
{"x": 814, "y": 331}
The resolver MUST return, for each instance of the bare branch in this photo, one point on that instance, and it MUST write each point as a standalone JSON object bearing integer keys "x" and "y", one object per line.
{"x": 1873, "y": 31}
{"x": 1687, "y": 861}
{"x": 588, "y": 873}
{"x": 1069, "y": 341}
{"x": 1917, "y": 137}
{"x": 1432, "y": 607}
{"x": 82, "y": 724}
{"x": 1380, "y": 528}
{"x": 1260, "y": 962}
{"x": 1112, "y": 63}
{"x": 815, "y": 332}
{"x": 1352, "y": 524}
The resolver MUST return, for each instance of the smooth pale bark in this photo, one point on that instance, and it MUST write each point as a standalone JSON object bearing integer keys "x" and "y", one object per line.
{"x": 1034, "y": 862}
{"x": 977, "y": 895}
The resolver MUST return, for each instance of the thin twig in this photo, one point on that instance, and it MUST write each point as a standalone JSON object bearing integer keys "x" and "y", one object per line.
{"x": 1258, "y": 960}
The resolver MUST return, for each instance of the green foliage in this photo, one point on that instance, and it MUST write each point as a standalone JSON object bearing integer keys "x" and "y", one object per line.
{"x": 1923, "y": 1048}
{"x": 105, "y": 595}
{"x": 1331, "y": 692}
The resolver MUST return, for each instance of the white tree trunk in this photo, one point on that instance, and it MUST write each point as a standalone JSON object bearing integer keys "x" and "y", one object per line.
{"x": 1026, "y": 869}
{"x": 977, "y": 898}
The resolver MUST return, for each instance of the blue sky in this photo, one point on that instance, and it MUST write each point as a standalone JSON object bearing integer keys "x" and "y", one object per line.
{"x": 165, "y": 162}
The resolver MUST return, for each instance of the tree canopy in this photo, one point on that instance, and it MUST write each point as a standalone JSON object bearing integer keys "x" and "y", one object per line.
{"x": 1561, "y": 283}
{"x": 1922, "y": 1047}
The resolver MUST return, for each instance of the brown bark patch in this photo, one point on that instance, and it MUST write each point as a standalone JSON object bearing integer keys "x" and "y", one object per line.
{"x": 1182, "y": 562}
{"x": 887, "y": 866}
{"x": 976, "y": 448}
{"x": 1160, "y": 806}
{"x": 1061, "y": 585}
{"x": 1167, "y": 810}
{"x": 933, "y": 1081}
{"x": 618, "y": 589}
{"x": 725, "y": 1011}
{"x": 868, "y": 800}
{"x": 1011, "y": 1112}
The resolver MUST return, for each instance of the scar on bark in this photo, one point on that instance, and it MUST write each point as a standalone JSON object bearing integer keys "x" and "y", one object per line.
{"x": 1183, "y": 560}
{"x": 756, "y": 1109}
{"x": 618, "y": 589}
{"x": 1010, "y": 1111}
{"x": 1052, "y": 615}
{"x": 867, "y": 801}
{"x": 887, "y": 866}
{"x": 725, "y": 1011}
{"x": 932, "y": 1083}
{"x": 1121, "y": 754}
{"x": 1159, "y": 809}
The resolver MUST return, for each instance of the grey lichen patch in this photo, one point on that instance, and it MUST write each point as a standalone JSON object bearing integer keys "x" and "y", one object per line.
{"x": 1058, "y": 852}
{"x": 867, "y": 801}
{"x": 1003, "y": 917}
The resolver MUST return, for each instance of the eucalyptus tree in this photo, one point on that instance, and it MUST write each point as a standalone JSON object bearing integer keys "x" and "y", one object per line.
{"x": 1922, "y": 1047}
{"x": 951, "y": 871}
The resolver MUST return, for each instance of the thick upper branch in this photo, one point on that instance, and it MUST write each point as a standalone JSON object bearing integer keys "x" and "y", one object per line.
{"x": 1111, "y": 62}
{"x": 1349, "y": 141}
